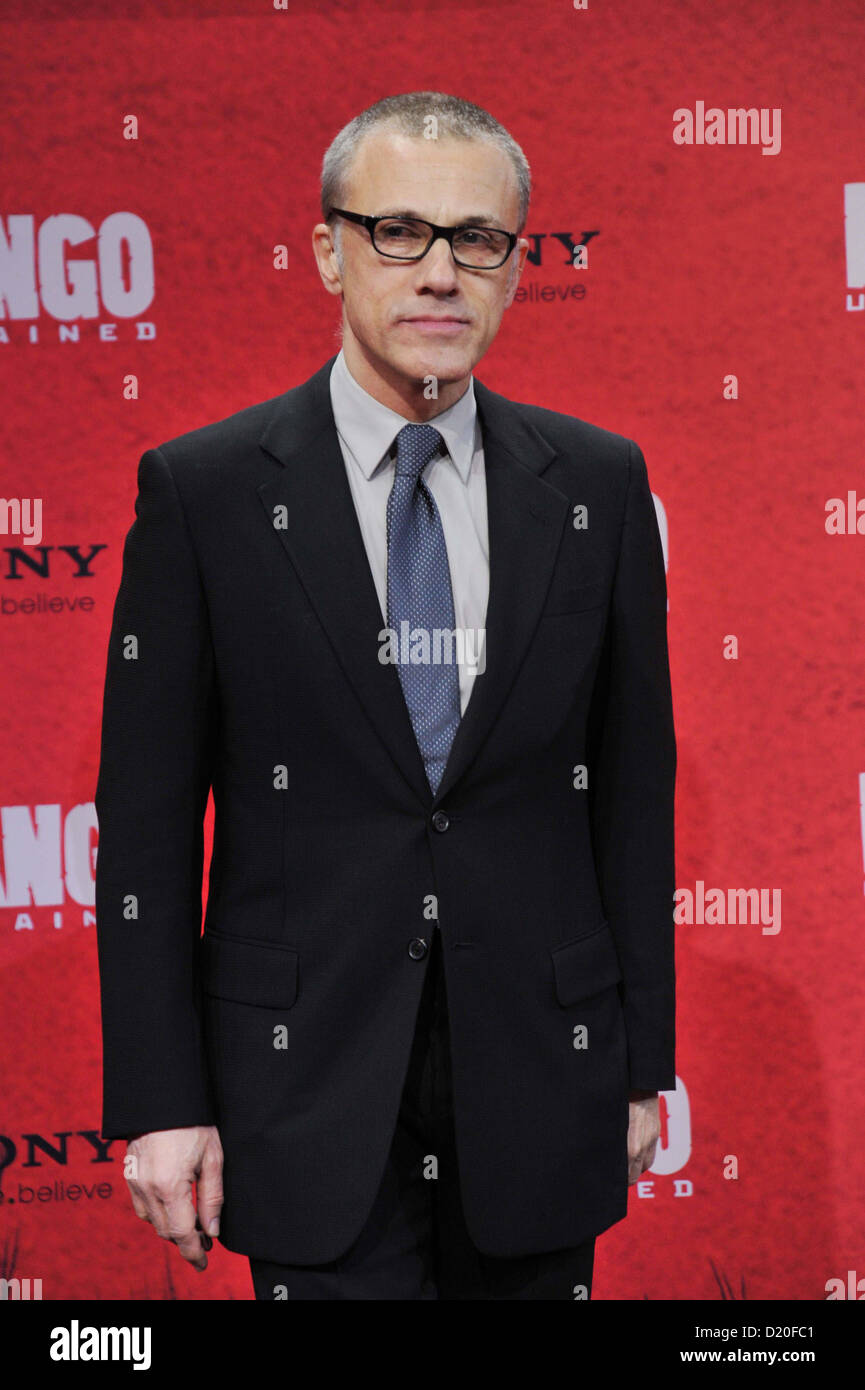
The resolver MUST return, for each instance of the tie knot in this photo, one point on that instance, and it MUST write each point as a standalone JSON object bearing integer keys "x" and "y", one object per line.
{"x": 415, "y": 446}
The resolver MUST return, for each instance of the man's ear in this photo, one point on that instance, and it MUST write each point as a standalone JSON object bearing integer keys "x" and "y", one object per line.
{"x": 328, "y": 259}
{"x": 518, "y": 260}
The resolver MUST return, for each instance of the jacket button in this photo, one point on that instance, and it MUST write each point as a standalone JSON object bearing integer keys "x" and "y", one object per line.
{"x": 417, "y": 948}
{"x": 440, "y": 821}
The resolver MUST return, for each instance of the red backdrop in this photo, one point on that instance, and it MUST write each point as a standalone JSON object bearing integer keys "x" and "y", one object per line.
{"x": 707, "y": 261}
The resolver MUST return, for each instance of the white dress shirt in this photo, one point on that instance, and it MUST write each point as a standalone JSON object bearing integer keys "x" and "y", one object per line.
{"x": 457, "y": 480}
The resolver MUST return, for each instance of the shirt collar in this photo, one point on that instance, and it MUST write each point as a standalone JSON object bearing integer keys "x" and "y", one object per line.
{"x": 370, "y": 428}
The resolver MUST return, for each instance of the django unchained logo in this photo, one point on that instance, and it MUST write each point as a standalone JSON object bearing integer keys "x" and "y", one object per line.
{"x": 64, "y": 279}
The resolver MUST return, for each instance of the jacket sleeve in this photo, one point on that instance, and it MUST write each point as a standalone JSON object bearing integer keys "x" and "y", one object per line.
{"x": 631, "y": 788}
{"x": 153, "y": 783}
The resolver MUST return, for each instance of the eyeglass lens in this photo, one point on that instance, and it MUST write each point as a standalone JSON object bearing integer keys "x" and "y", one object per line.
{"x": 404, "y": 238}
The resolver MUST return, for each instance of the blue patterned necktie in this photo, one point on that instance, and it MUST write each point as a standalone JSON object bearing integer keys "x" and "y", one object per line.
{"x": 419, "y": 594}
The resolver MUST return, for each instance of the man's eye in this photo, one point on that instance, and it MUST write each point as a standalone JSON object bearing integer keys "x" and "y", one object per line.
{"x": 397, "y": 231}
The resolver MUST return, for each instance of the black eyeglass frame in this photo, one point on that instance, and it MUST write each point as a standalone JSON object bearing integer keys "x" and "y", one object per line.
{"x": 370, "y": 223}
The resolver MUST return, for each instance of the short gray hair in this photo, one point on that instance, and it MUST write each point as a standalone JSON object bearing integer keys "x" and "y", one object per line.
{"x": 408, "y": 113}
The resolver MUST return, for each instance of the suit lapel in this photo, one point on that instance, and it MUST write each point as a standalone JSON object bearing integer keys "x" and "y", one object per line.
{"x": 310, "y": 506}
{"x": 525, "y": 519}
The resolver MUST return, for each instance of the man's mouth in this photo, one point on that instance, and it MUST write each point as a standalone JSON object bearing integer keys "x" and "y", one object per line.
{"x": 437, "y": 323}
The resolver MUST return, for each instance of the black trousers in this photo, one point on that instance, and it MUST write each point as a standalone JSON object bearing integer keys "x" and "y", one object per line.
{"x": 414, "y": 1244}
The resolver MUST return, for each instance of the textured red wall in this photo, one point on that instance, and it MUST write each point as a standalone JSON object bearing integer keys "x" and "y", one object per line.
{"x": 709, "y": 260}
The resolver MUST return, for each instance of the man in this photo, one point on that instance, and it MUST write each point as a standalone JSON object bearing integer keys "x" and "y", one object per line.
{"x": 420, "y": 1042}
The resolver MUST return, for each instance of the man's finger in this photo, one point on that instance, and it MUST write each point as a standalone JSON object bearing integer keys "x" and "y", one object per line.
{"x": 179, "y": 1220}
{"x": 210, "y": 1190}
{"x": 148, "y": 1196}
{"x": 139, "y": 1205}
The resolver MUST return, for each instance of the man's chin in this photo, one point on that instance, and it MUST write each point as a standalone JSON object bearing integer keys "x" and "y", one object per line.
{"x": 445, "y": 362}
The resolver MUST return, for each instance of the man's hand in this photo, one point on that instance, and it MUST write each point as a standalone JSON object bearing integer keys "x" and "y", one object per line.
{"x": 644, "y": 1129}
{"x": 161, "y": 1169}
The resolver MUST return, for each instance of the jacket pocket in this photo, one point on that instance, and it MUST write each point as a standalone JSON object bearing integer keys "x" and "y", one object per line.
{"x": 576, "y": 599}
{"x": 248, "y": 971}
{"x": 585, "y": 966}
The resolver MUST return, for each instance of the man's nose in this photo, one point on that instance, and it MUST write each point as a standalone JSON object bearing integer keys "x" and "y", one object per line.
{"x": 438, "y": 265}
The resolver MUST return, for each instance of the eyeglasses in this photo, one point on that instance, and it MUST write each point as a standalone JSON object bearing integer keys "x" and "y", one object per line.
{"x": 409, "y": 239}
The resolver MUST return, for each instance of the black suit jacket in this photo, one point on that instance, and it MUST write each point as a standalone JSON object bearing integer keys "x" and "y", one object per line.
{"x": 244, "y": 656}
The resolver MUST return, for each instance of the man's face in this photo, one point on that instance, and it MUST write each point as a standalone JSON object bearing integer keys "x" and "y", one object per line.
{"x": 404, "y": 321}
